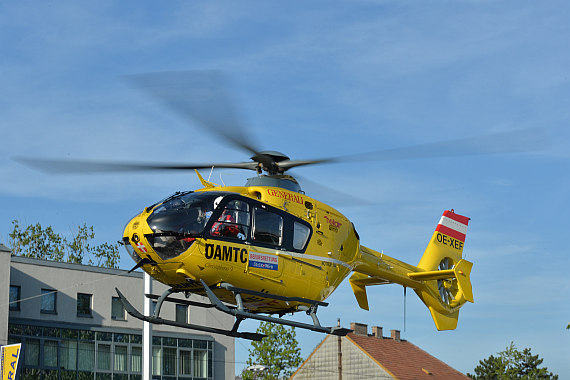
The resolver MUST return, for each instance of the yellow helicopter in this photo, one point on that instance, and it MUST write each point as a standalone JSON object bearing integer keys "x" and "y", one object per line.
{"x": 267, "y": 249}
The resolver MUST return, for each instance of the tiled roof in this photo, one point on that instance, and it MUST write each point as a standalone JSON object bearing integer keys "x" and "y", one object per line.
{"x": 405, "y": 360}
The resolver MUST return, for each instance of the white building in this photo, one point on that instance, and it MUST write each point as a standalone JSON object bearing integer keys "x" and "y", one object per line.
{"x": 73, "y": 326}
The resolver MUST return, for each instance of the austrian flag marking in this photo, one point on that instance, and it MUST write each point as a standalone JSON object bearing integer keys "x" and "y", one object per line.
{"x": 141, "y": 247}
{"x": 453, "y": 225}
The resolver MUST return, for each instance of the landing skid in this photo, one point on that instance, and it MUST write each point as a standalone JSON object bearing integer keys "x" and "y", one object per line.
{"x": 239, "y": 312}
{"x": 161, "y": 321}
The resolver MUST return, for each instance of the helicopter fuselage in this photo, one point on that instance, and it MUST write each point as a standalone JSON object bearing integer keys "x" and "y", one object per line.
{"x": 265, "y": 239}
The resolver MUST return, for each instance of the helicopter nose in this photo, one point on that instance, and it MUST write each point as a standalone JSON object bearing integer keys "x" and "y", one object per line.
{"x": 134, "y": 240}
{"x": 144, "y": 238}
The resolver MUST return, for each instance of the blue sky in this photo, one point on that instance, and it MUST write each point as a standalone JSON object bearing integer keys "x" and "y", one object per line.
{"x": 319, "y": 79}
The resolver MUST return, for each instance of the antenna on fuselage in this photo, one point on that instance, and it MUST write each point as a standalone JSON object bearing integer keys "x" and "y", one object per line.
{"x": 211, "y": 171}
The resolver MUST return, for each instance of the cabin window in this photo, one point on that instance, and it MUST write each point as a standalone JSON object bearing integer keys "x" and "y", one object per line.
{"x": 233, "y": 222}
{"x": 268, "y": 228}
{"x": 300, "y": 235}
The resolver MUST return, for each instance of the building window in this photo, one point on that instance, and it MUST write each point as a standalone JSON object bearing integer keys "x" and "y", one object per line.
{"x": 169, "y": 361}
{"x": 32, "y": 352}
{"x": 67, "y": 353}
{"x": 84, "y": 305}
{"x": 120, "y": 359}
{"x": 104, "y": 357}
{"x": 86, "y": 356}
{"x": 185, "y": 362}
{"x": 117, "y": 309}
{"x": 50, "y": 353}
{"x": 181, "y": 313}
{"x": 136, "y": 359}
{"x": 48, "y": 301}
{"x": 14, "y": 297}
{"x": 200, "y": 363}
{"x": 156, "y": 360}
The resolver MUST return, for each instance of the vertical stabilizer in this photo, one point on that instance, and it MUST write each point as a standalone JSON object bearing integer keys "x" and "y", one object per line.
{"x": 447, "y": 241}
{"x": 445, "y": 272}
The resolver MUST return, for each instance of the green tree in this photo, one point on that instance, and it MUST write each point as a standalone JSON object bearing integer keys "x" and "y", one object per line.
{"x": 44, "y": 243}
{"x": 279, "y": 352}
{"x": 512, "y": 364}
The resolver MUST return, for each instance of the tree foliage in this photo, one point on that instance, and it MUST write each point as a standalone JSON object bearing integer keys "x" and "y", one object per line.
{"x": 512, "y": 364}
{"x": 279, "y": 352}
{"x": 44, "y": 243}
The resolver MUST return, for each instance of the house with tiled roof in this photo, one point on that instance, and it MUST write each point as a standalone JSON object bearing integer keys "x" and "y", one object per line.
{"x": 360, "y": 355}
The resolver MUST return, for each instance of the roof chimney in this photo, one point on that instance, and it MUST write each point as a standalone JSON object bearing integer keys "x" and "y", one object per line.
{"x": 395, "y": 335}
{"x": 377, "y": 331}
{"x": 359, "y": 328}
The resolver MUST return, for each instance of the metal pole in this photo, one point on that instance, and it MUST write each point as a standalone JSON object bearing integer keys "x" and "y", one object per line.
{"x": 147, "y": 330}
{"x": 339, "y": 348}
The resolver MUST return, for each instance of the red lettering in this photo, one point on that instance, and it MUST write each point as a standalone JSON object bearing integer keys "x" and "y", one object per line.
{"x": 333, "y": 222}
{"x": 285, "y": 195}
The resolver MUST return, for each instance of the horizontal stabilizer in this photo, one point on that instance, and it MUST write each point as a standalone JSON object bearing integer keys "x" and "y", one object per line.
{"x": 461, "y": 272}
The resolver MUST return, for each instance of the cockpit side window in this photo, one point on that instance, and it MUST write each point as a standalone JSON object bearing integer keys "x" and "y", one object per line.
{"x": 301, "y": 235}
{"x": 233, "y": 222}
{"x": 268, "y": 227}
{"x": 247, "y": 220}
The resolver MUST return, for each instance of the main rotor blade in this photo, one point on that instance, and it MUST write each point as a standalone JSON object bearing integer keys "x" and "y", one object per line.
{"x": 288, "y": 164}
{"x": 518, "y": 141}
{"x": 329, "y": 194}
{"x": 201, "y": 96}
{"x": 56, "y": 166}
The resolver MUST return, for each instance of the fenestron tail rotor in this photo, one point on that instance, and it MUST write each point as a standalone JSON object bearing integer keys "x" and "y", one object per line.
{"x": 447, "y": 287}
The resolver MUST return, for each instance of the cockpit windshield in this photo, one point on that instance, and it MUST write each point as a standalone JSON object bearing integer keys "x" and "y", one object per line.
{"x": 186, "y": 214}
{"x": 179, "y": 220}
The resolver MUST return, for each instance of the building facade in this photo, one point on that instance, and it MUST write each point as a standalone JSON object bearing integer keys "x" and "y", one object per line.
{"x": 360, "y": 355}
{"x": 72, "y": 325}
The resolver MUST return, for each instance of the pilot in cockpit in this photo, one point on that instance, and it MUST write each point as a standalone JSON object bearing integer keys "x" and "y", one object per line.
{"x": 226, "y": 226}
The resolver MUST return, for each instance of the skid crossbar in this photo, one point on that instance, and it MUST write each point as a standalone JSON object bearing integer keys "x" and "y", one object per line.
{"x": 240, "y": 313}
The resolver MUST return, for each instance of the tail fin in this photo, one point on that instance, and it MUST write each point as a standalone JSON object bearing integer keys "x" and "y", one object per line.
{"x": 444, "y": 272}
{"x": 441, "y": 279}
